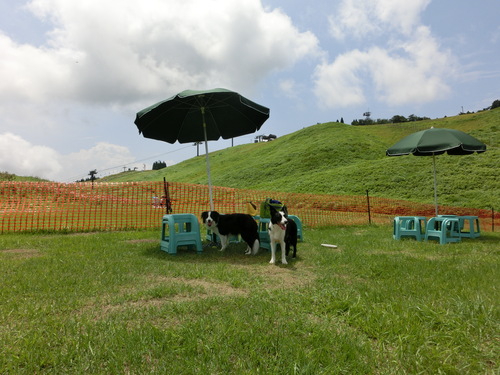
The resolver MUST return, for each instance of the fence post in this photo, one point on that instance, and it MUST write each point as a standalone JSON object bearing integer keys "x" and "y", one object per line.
{"x": 368, "y": 203}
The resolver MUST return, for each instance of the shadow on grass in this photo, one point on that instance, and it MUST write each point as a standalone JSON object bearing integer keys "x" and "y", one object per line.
{"x": 234, "y": 254}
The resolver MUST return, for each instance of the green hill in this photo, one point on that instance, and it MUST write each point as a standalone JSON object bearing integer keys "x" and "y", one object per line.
{"x": 6, "y": 176}
{"x": 334, "y": 158}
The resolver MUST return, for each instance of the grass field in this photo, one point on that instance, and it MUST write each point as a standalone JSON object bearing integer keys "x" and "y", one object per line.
{"x": 113, "y": 303}
{"x": 339, "y": 159}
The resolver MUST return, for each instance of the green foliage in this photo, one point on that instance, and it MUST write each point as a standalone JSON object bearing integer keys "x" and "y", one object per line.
{"x": 159, "y": 165}
{"x": 113, "y": 303}
{"x": 6, "y": 176}
{"x": 334, "y": 158}
{"x": 397, "y": 119}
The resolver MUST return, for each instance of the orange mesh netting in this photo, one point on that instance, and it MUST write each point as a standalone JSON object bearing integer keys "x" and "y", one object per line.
{"x": 32, "y": 206}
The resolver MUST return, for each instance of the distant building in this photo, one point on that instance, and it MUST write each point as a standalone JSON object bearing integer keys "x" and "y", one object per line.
{"x": 265, "y": 138}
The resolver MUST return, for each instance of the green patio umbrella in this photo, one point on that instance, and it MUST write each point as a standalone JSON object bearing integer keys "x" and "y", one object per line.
{"x": 196, "y": 116}
{"x": 436, "y": 141}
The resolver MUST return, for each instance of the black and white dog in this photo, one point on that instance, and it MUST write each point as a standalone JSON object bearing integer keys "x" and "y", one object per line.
{"x": 291, "y": 234}
{"x": 233, "y": 224}
{"x": 283, "y": 231}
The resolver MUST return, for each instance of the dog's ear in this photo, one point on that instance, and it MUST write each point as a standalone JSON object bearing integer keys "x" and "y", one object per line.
{"x": 204, "y": 215}
{"x": 285, "y": 211}
{"x": 272, "y": 210}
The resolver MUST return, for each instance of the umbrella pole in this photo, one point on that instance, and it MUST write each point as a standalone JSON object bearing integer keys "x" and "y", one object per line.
{"x": 435, "y": 183}
{"x": 207, "y": 159}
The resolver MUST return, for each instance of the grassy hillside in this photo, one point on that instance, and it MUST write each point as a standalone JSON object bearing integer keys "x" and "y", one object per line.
{"x": 334, "y": 158}
{"x": 6, "y": 176}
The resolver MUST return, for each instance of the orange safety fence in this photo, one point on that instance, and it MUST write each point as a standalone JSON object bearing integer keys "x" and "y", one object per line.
{"x": 39, "y": 206}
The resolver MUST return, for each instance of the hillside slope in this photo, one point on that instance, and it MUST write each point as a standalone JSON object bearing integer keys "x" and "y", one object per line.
{"x": 334, "y": 158}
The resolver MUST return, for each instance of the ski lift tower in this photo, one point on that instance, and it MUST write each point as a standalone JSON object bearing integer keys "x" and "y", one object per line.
{"x": 367, "y": 115}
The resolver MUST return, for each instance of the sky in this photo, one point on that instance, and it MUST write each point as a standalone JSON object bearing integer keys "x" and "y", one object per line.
{"x": 73, "y": 74}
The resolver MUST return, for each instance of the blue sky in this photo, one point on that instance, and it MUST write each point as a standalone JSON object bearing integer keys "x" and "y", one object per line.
{"x": 73, "y": 74}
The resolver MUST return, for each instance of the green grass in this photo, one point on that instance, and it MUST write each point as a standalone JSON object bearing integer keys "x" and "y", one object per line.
{"x": 112, "y": 302}
{"x": 338, "y": 159}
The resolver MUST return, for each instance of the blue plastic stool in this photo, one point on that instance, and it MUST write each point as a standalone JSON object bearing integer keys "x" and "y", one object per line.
{"x": 409, "y": 226}
{"x": 180, "y": 230}
{"x": 445, "y": 229}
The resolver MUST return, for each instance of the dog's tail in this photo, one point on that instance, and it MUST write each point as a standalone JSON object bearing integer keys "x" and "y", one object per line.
{"x": 255, "y": 247}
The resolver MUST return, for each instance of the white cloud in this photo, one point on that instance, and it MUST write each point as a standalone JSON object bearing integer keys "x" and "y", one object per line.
{"x": 101, "y": 157}
{"x": 340, "y": 84}
{"x": 20, "y": 157}
{"x": 368, "y": 18}
{"x": 23, "y": 158}
{"x": 100, "y": 56}
{"x": 31, "y": 73}
{"x": 418, "y": 74}
{"x": 409, "y": 67}
{"x": 99, "y": 52}
{"x": 289, "y": 88}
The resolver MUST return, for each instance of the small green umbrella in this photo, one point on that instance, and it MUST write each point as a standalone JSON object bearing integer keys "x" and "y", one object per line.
{"x": 436, "y": 141}
{"x": 196, "y": 116}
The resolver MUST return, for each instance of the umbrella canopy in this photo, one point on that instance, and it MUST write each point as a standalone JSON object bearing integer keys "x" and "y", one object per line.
{"x": 436, "y": 141}
{"x": 195, "y": 116}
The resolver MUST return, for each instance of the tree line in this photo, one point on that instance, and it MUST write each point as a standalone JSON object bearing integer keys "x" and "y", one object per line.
{"x": 393, "y": 120}
{"x": 397, "y": 119}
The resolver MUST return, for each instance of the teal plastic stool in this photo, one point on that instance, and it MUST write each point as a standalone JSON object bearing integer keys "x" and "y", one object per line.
{"x": 180, "y": 230}
{"x": 445, "y": 229}
{"x": 212, "y": 237}
{"x": 300, "y": 233}
{"x": 262, "y": 228}
{"x": 474, "y": 231}
{"x": 409, "y": 226}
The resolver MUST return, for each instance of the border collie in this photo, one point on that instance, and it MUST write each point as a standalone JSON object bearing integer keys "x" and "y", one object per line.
{"x": 291, "y": 237}
{"x": 225, "y": 225}
{"x": 277, "y": 229}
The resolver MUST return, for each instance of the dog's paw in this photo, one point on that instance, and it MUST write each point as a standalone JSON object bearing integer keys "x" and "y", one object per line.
{"x": 248, "y": 252}
{"x": 272, "y": 261}
{"x": 284, "y": 262}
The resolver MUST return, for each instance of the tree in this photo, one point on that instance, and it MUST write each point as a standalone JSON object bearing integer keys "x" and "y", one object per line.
{"x": 159, "y": 165}
{"x": 92, "y": 175}
{"x": 398, "y": 118}
{"x": 495, "y": 104}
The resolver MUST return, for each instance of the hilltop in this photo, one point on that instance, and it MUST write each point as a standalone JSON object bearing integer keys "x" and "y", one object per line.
{"x": 334, "y": 158}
